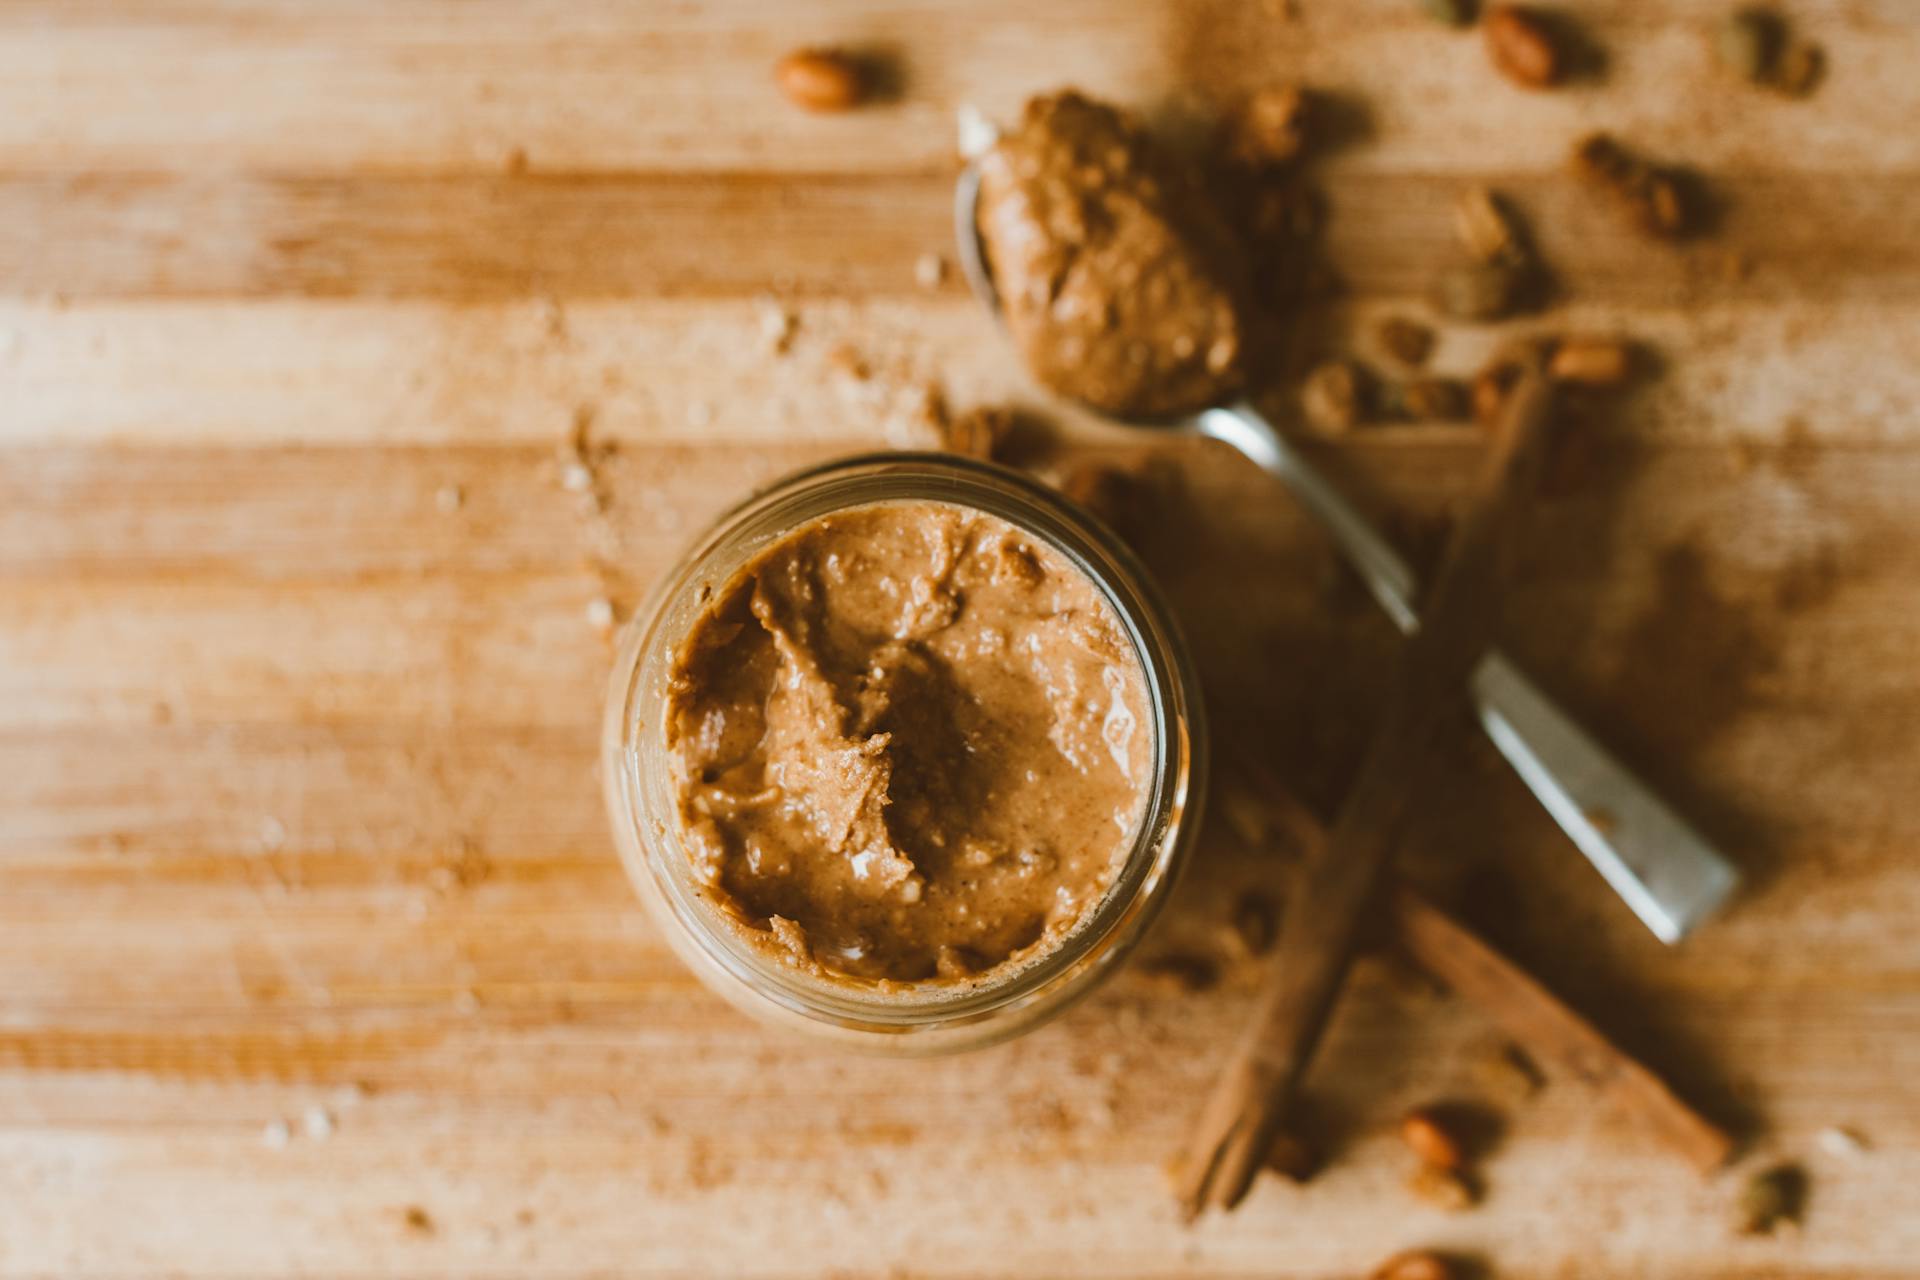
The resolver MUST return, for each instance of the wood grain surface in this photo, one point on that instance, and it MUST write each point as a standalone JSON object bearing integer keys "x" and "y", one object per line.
{"x": 315, "y": 955}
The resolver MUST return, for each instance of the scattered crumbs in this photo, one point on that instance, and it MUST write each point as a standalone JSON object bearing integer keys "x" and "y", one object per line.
{"x": 1291, "y": 1156}
{"x": 1800, "y": 69}
{"x": 576, "y": 477}
{"x": 516, "y": 162}
{"x": 848, "y": 363}
{"x": 917, "y": 418}
{"x": 317, "y": 1123}
{"x": 418, "y": 1220}
{"x": 277, "y": 1135}
{"x": 777, "y": 325}
{"x": 1772, "y": 1201}
{"x": 1409, "y": 984}
{"x": 273, "y": 834}
{"x": 1506, "y": 1071}
{"x": 1179, "y": 971}
{"x": 1650, "y": 195}
{"x": 930, "y": 271}
{"x": 1408, "y": 342}
{"x": 699, "y": 414}
{"x": 1443, "y": 1188}
{"x": 448, "y": 499}
{"x": 1333, "y": 397}
{"x": 1256, "y": 921}
{"x": 1837, "y": 1140}
{"x": 351, "y": 1094}
{"x": 467, "y": 1001}
{"x": 1415, "y": 1264}
{"x": 600, "y": 614}
{"x": 980, "y": 432}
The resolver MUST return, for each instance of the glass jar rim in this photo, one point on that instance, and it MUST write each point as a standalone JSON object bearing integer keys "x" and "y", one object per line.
{"x": 1164, "y": 833}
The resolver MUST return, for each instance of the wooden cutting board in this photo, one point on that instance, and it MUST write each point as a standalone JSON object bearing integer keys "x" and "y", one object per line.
{"x": 314, "y": 952}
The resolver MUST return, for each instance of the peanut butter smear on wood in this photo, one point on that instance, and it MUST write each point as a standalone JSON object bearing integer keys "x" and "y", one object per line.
{"x": 1118, "y": 278}
{"x": 912, "y": 744}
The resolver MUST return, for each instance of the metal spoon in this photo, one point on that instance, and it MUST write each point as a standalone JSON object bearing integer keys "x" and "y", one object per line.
{"x": 1664, "y": 869}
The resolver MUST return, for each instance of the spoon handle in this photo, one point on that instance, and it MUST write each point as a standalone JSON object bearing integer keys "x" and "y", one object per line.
{"x": 1665, "y": 870}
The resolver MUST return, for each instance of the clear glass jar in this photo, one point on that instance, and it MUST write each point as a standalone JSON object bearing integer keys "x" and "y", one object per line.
{"x": 640, "y": 785}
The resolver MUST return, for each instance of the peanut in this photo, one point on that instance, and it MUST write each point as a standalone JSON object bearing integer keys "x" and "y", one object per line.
{"x": 1177, "y": 971}
{"x": 1406, "y": 341}
{"x": 1521, "y": 47}
{"x": 1270, "y": 128}
{"x": 1478, "y": 291}
{"x": 1747, "y": 43}
{"x": 1592, "y": 362}
{"x": 1415, "y": 1264}
{"x": 1772, "y": 1199}
{"x": 1484, "y": 227}
{"x": 1433, "y": 400}
{"x": 1291, "y": 1157}
{"x": 1649, "y": 195}
{"x": 1800, "y": 68}
{"x": 820, "y": 79}
{"x": 1429, "y": 1139}
{"x": 1332, "y": 398}
{"x": 1489, "y": 395}
{"x": 1443, "y": 1188}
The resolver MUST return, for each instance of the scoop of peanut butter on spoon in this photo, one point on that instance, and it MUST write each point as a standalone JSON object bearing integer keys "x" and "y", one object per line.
{"x": 1118, "y": 279}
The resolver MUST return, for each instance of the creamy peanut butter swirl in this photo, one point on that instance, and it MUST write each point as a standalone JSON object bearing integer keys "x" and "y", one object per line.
{"x": 912, "y": 744}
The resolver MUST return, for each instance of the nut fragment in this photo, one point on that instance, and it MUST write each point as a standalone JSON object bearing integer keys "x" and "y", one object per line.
{"x": 820, "y": 79}
{"x": 1521, "y": 47}
{"x": 1443, "y": 1188}
{"x": 1506, "y": 1071}
{"x": 1405, "y": 340}
{"x": 1432, "y": 400}
{"x": 1455, "y": 13}
{"x": 979, "y": 432}
{"x": 1430, "y": 1139}
{"x": 1270, "y": 128}
{"x": 1118, "y": 495}
{"x": 1800, "y": 69}
{"x": 1415, "y": 1264}
{"x": 1291, "y": 1157}
{"x": 930, "y": 271}
{"x": 1747, "y": 42}
{"x": 1255, "y": 922}
{"x": 1485, "y": 227}
{"x": 1478, "y": 291}
{"x": 1490, "y": 388}
{"x": 1501, "y": 371}
{"x": 1838, "y": 1140}
{"x": 1772, "y": 1199}
{"x": 1650, "y": 196}
{"x": 1593, "y": 362}
{"x": 1332, "y": 398}
{"x": 1178, "y": 971}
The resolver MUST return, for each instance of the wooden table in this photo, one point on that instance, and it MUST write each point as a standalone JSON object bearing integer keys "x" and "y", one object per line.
{"x": 314, "y": 953}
